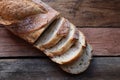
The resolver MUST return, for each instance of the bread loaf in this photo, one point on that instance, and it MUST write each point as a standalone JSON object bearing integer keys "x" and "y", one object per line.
{"x": 43, "y": 27}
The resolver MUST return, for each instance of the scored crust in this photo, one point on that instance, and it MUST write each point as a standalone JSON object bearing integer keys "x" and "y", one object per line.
{"x": 19, "y": 9}
{"x": 32, "y": 27}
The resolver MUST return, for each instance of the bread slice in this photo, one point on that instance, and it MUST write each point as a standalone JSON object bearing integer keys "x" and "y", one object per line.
{"x": 72, "y": 54}
{"x": 82, "y": 39}
{"x": 81, "y": 64}
{"x": 53, "y": 34}
{"x": 33, "y": 26}
{"x": 63, "y": 45}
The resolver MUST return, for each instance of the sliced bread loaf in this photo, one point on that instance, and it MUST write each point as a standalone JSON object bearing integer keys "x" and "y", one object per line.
{"x": 72, "y": 54}
{"x": 81, "y": 64}
{"x": 53, "y": 34}
{"x": 63, "y": 45}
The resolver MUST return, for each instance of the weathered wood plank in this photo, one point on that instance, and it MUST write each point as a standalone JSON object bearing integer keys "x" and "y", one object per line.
{"x": 10, "y": 45}
{"x": 105, "y": 42}
{"x": 102, "y": 68}
{"x": 89, "y": 12}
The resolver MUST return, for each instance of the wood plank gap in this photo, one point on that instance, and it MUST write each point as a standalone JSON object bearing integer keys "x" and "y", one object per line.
{"x": 45, "y": 57}
{"x": 94, "y": 56}
{"x": 98, "y": 27}
{"x": 25, "y": 57}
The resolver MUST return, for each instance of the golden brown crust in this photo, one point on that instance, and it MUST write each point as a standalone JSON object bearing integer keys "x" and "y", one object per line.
{"x": 34, "y": 22}
{"x": 14, "y": 10}
{"x": 28, "y": 25}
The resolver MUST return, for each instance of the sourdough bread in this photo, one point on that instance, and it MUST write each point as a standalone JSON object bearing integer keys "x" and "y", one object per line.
{"x": 72, "y": 54}
{"x": 53, "y": 34}
{"x": 62, "y": 46}
{"x": 81, "y": 64}
{"x": 58, "y": 38}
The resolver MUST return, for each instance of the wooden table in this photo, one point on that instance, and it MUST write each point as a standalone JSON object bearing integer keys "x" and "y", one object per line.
{"x": 100, "y": 22}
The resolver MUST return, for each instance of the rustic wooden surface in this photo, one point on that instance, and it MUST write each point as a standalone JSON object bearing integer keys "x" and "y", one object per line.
{"x": 89, "y": 12}
{"x": 20, "y": 61}
{"x": 105, "y": 42}
{"x": 107, "y": 68}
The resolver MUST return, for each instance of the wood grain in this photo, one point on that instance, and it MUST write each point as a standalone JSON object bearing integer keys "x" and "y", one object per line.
{"x": 11, "y": 45}
{"x": 97, "y": 13}
{"x": 107, "y": 68}
{"x": 105, "y": 42}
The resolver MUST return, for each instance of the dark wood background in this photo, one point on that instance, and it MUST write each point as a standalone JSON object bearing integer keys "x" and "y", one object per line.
{"x": 100, "y": 22}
